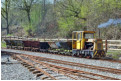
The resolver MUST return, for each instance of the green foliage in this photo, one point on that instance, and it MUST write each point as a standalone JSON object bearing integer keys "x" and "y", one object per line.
{"x": 64, "y": 16}
{"x": 9, "y": 35}
{"x": 72, "y": 17}
{"x": 35, "y": 14}
{"x": 29, "y": 29}
{"x": 3, "y": 44}
{"x": 115, "y": 54}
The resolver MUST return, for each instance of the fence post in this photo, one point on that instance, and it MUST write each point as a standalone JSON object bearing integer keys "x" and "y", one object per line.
{"x": 44, "y": 39}
{"x": 106, "y": 46}
{"x": 10, "y": 37}
{"x": 37, "y": 39}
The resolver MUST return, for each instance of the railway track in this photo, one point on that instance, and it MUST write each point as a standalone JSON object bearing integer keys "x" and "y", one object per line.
{"x": 40, "y": 69}
{"x": 57, "y": 72}
{"x": 108, "y": 60}
{"x": 44, "y": 66}
{"x": 105, "y": 69}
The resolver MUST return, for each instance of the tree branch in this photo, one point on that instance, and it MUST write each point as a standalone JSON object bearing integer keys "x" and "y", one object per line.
{"x": 3, "y": 15}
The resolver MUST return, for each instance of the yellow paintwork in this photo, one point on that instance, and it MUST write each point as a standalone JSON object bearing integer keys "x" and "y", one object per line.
{"x": 98, "y": 45}
{"x": 78, "y": 46}
{"x": 79, "y": 43}
{"x": 74, "y": 45}
{"x": 83, "y": 43}
{"x": 73, "y": 42}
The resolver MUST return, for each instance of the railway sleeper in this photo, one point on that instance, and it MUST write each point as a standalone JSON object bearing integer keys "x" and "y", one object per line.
{"x": 29, "y": 67}
{"x": 32, "y": 69}
{"x": 44, "y": 68}
{"x": 26, "y": 65}
{"x": 36, "y": 71}
{"x": 39, "y": 74}
{"x": 45, "y": 77}
{"x": 23, "y": 63}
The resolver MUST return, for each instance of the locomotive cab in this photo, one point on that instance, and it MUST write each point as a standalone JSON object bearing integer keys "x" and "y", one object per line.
{"x": 84, "y": 44}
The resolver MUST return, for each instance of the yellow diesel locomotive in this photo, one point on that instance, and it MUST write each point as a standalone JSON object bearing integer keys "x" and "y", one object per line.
{"x": 84, "y": 44}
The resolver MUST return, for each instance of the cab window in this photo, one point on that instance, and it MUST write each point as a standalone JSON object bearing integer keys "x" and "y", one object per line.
{"x": 79, "y": 36}
{"x": 89, "y": 35}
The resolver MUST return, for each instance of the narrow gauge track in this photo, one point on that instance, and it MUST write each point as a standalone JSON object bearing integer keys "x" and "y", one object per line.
{"x": 108, "y": 60}
{"x": 40, "y": 59}
{"x": 31, "y": 63}
{"x": 111, "y": 70}
{"x": 40, "y": 69}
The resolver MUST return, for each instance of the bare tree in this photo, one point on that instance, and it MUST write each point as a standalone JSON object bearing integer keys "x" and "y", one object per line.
{"x": 5, "y": 13}
{"x": 25, "y": 5}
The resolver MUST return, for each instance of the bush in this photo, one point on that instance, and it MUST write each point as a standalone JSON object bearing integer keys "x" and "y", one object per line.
{"x": 29, "y": 29}
{"x": 3, "y": 44}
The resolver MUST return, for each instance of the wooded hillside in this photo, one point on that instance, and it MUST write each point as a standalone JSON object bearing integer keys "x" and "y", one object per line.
{"x": 58, "y": 18}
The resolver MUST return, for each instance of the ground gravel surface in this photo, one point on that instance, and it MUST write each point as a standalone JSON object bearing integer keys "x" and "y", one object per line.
{"x": 70, "y": 59}
{"x": 14, "y": 71}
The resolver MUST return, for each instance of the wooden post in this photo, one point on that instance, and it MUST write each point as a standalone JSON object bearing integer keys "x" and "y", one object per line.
{"x": 106, "y": 46}
{"x": 38, "y": 39}
{"x": 99, "y": 33}
{"x": 44, "y": 39}
{"x": 27, "y": 38}
{"x": 10, "y": 37}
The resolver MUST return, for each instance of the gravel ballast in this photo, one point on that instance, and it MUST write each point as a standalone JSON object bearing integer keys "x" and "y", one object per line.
{"x": 77, "y": 60}
{"x": 70, "y": 59}
{"x": 13, "y": 70}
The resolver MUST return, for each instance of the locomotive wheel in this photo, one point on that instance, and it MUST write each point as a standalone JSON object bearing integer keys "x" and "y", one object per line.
{"x": 88, "y": 56}
{"x": 80, "y": 56}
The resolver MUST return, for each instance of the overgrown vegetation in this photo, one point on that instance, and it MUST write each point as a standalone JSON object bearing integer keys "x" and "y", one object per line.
{"x": 58, "y": 18}
{"x": 3, "y": 44}
{"x": 114, "y": 54}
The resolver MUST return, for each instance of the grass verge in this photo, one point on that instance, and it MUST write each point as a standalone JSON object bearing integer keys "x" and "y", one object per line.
{"x": 114, "y": 54}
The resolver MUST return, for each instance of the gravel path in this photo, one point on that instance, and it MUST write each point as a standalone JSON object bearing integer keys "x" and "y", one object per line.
{"x": 14, "y": 71}
{"x": 71, "y": 59}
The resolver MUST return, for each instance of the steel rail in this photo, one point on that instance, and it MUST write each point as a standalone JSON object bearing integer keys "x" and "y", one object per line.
{"x": 74, "y": 71}
{"x": 111, "y": 70}
{"x": 47, "y": 74}
{"x": 31, "y": 69}
{"x": 64, "y": 69}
